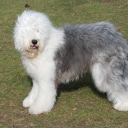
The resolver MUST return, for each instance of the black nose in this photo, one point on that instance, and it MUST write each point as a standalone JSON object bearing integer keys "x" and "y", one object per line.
{"x": 34, "y": 41}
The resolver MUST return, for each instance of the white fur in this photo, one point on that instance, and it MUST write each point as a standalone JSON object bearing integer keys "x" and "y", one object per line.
{"x": 41, "y": 68}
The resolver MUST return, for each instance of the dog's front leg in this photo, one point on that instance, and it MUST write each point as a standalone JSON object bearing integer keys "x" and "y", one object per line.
{"x": 45, "y": 99}
{"x": 27, "y": 102}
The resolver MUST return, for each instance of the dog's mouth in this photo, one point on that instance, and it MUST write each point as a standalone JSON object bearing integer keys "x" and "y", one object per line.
{"x": 34, "y": 47}
{"x": 32, "y": 51}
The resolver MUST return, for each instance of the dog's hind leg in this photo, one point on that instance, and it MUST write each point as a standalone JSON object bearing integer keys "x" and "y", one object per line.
{"x": 112, "y": 78}
{"x": 119, "y": 93}
{"x": 99, "y": 76}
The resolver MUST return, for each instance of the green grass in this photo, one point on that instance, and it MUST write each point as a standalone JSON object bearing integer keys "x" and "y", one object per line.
{"x": 79, "y": 104}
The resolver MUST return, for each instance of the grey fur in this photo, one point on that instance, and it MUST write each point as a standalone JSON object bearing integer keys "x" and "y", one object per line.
{"x": 83, "y": 45}
{"x": 90, "y": 44}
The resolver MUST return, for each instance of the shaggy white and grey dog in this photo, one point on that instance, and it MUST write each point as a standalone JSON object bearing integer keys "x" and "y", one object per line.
{"x": 51, "y": 56}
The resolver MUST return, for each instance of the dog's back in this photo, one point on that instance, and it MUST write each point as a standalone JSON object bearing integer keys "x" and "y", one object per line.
{"x": 86, "y": 44}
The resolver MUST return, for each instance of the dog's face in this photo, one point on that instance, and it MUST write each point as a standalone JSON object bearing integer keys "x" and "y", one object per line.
{"x": 31, "y": 33}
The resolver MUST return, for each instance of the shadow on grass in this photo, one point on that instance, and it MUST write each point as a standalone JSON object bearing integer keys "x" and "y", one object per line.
{"x": 82, "y": 82}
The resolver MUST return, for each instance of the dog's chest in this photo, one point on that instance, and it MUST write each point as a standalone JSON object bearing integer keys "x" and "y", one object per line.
{"x": 32, "y": 67}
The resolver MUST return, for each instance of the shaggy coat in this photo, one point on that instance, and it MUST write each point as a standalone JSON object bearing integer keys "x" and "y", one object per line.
{"x": 51, "y": 56}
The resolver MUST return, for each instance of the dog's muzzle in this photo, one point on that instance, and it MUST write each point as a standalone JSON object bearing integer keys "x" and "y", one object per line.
{"x": 34, "y": 44}
{"x": 33, "y": 50}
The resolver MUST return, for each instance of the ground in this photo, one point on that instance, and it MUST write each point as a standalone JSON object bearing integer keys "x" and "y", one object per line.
{"x": 79, "y": 104}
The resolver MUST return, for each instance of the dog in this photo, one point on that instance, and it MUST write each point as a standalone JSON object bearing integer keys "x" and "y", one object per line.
{"x": 52, "y": 56}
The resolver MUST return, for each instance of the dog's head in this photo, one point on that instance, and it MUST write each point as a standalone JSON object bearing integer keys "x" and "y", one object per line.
{"x": 31, "y": 33}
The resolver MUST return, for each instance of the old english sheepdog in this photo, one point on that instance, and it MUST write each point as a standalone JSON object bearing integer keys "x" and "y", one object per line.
{"x": 53, "y": 55}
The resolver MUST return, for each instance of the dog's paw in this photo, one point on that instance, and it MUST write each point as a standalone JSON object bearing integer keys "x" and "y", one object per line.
{"x": 36, "y": 109}
{"x": 27, "y": 102}
{"x": 121, "y": 106}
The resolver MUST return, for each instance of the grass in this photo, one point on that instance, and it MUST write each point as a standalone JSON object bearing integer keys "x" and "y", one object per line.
{"x": 79, "y": 104}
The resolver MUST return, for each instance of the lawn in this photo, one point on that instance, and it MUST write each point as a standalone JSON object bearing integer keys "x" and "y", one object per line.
{"x": 79, "y": 104}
